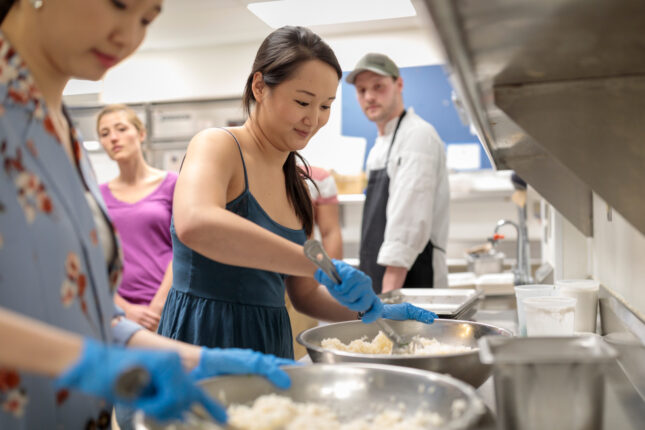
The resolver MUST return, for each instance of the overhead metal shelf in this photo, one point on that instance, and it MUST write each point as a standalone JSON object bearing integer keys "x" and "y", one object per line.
{"x": 556, "y": 91}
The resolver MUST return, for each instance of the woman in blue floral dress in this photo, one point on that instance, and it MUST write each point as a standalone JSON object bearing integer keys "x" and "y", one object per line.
{"x": 62, "y": 342}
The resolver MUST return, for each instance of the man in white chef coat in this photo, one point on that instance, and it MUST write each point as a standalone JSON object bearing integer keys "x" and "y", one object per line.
{"x": 405, "y": 217}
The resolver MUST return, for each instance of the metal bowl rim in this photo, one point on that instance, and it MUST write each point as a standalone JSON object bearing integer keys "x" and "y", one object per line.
{"x": 468, "y": 418}
{"x": 320, "y": 349}
{"x": 376, "y": 366}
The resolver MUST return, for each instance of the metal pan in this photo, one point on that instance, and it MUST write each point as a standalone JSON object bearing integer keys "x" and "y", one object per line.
{"x": 445, "y": 302}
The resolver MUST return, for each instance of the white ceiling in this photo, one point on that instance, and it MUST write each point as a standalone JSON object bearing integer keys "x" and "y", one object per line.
{"x": 191, "y": 23}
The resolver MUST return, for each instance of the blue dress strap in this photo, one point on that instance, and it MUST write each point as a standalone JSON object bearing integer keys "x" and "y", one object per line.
{"x": 239, "y": 148}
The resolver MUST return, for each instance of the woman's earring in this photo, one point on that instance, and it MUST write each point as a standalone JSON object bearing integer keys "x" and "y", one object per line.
{"x": 37, "y": 4}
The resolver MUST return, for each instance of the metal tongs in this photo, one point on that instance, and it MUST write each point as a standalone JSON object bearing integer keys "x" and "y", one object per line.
{"x": 315, "y": 252}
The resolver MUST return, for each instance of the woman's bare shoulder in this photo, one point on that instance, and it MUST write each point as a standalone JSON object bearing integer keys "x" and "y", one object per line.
{"x": 214, "y": 141}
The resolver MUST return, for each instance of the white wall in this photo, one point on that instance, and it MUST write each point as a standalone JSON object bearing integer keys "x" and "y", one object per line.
{"x": 220, "y": 71}
{"x": 619, "y": 256}
{"x": 564, "y": 247}
{"x": 197, "y": 73}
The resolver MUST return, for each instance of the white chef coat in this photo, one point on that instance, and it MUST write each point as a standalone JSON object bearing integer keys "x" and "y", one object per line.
{"x": 419, "y": 195}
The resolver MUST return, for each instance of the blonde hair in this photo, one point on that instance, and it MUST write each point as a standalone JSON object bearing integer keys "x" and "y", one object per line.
{"x": 130, "y": 114}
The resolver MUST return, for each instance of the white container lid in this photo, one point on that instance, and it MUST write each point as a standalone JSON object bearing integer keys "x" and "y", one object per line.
{"x": 578, "y": 284}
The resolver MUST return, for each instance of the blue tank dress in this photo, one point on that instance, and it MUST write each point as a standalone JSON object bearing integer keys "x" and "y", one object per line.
{"x": 219, "y": 305}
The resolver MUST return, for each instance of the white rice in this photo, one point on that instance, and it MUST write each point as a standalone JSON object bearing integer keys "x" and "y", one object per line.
{"x": 382, "y": 345}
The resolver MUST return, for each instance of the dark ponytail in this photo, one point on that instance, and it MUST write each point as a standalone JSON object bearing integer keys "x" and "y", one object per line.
{"x": 280, "y": 54}
{"x": 297, "y": 192}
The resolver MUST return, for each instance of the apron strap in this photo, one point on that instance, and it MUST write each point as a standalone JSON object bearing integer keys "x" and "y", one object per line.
{"x": 396, "y": 130}
{"x": 436, "y": 247}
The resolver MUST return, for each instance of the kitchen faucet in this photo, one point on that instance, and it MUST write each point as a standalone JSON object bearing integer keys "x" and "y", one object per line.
{"x": 522, "y": 270}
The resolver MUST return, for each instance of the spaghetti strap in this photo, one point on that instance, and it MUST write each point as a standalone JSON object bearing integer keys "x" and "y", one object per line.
{"x": 246, "y": 180}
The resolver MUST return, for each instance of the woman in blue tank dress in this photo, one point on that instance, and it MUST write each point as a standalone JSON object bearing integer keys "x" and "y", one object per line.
{"x": 242, "y": 212}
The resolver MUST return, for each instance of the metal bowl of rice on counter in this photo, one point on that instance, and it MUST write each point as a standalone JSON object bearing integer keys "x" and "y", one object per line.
{"x": 352, "y": 396}
{"x": 450, "y": 346}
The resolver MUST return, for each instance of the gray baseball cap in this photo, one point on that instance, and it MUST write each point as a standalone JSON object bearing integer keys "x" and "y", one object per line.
{"x": 377, "y": 63}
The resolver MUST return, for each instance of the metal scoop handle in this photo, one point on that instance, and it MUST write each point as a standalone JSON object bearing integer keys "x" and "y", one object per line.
{"x": 132, "y": 382}
{"x": 398, "y": 341}
{"x": 315, "y": 252}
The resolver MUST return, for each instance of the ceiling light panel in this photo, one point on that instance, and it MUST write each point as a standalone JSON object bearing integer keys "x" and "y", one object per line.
{"x": 322, "y": 12}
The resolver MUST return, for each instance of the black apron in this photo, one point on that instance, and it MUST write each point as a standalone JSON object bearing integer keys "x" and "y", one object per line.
{"x": 421, "y": 274}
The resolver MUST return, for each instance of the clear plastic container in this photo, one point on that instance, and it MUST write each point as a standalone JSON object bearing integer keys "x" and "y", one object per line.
{"x": 549, "y": 316}
{"x": 585, "y": 291}
{"x": 525, "y": 291}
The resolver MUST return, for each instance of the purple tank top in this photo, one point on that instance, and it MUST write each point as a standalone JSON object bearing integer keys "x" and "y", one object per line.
{"x": 144, "y": 230}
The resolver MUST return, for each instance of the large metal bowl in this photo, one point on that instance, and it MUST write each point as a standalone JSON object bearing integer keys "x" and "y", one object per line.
{"x": 465, "y": 365}
{"x": 352, "y": 391}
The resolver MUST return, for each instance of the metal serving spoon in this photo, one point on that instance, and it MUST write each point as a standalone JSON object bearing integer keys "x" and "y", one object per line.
{"x": 315, "y": 252}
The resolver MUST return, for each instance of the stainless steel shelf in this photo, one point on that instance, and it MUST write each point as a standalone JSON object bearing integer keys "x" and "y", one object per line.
{"x": 556, "y": 92}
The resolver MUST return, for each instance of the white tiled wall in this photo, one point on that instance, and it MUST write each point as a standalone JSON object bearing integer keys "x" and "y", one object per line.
{"x": 615, "y": 255}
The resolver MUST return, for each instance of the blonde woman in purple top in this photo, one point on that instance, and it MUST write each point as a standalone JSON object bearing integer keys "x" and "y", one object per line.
{"x": 139, "y": 202}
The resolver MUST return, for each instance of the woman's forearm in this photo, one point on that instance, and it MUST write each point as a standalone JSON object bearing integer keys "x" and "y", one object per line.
{"x": 32, "y": 346}
{"x": 328, "y": 220}
{"x": 312, "y": 299}
{"x": 228, "y": 238}
{"x": 145, "y": 339}
{"x": 394, "y": 278}
{"x": 332, "y": 241}
{"x": 121, "y": 302}
{"x": 159, "y": 300}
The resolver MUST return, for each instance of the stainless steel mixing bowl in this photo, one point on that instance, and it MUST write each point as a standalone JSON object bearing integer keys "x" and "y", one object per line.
{"x": 353, "y": 390}
{"x": 465, "y": 365}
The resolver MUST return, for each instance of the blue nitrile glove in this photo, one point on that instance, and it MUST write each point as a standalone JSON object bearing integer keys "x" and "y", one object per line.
{"x": 215, "y": 361}
{"x": 406, "y": 311}
{"x": 170, "y": 390}
{"x": 354, "y": 291}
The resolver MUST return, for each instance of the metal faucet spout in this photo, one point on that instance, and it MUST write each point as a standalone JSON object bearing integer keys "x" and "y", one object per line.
{"x": 502, "y": 222}
{"x": 522, "y": 269}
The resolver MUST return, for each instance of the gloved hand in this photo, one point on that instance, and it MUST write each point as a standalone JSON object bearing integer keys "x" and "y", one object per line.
{"x": 354, "y": 292}
{"x": 406, "y": 311}
{"x": 215, "y": 361}
{"x": 169, "y": 392}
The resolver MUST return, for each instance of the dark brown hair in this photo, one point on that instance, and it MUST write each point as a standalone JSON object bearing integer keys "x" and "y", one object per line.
{"x": 279, "y": 56}
{"x": 5, "y": 5}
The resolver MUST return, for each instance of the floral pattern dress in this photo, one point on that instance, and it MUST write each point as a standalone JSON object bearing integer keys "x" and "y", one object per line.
{"x": 52, "y": 266}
